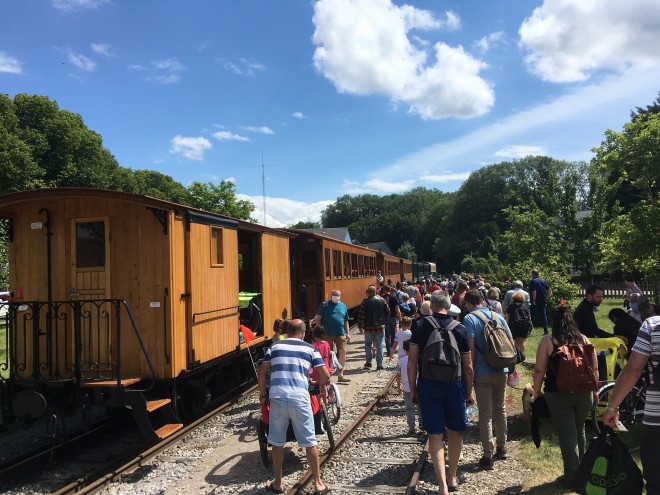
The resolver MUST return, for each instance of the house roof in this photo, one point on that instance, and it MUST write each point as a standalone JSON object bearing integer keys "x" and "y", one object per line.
{"x": 339, "y": 233}
{"x": 379, "y": 246}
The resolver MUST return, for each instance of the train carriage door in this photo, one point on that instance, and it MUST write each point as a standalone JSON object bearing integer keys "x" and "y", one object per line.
{"x": 90, "y": 258}
{"x": 90, "y": 280}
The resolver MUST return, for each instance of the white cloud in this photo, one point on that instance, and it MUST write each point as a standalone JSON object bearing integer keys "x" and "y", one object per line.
{"x": 9, "y": 64}
{"x": 452, "y": 21}
{"x": 192, "y": 148}
{"x": 376, "y": 186}
{"x": 258, "y": 129}
{"x": 169, "y": 64}
{"x": 365, "y": 48}
{"x": 567, "y": 41}
{"x": 229, "y": 136}
{"x": 164, "y": 78}
{"x": 73, "y": 5}
{"x": 82, "y": 62}
{"x": 549, "y": 119}
{"x": 444, "y": 177}
{"x": 298, "y": 115}
{"x": 281, "y": 212}
{"x": 242, "y": 66}
{"x": 487, "y": 42}
{"x": 520, "y": 151}
{"x": 166, "y": 71}
{"x": 103, "y": 49}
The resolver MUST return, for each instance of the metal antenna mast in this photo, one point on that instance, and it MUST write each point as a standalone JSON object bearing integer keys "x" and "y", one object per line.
{"x": 263, "y": 185}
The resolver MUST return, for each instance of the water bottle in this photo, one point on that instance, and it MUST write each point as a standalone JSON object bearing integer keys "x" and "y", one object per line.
{"x": 471, "y": 409}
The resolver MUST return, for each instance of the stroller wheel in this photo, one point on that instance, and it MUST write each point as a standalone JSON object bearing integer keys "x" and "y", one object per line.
{"x": 263, "y": 441}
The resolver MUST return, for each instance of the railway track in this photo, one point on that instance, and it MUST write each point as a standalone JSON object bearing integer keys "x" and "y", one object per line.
{"x": 119, "y": 468}
{"x": 358, "y": 431}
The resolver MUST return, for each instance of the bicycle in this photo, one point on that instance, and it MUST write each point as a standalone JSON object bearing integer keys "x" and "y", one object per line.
{"x": 631, "y": 412}
{"x": 333, "y": 401}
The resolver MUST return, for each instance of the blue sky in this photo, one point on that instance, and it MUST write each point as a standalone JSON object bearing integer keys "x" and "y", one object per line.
{"x": 340, "y": 96}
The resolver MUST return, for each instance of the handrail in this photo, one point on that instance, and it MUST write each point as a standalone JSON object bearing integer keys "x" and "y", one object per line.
{"x": 214, "y": 311}
{"x": 51, "y": 324}
{"x": 142, "y": 345}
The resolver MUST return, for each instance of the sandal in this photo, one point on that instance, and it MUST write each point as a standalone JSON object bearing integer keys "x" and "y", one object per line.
{"x": 324, "y": 491}
{"x": 270, "y": 488}
{"x": 342, "y": 379}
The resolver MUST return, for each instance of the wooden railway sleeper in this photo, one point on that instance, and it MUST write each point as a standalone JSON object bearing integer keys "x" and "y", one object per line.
{"x": 152, "y": 428}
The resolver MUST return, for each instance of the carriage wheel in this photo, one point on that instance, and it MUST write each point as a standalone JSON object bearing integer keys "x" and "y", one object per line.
{"x": 325, "y": 421}
{"x": 334, "y": 403}
{"x": 263, "y": 441}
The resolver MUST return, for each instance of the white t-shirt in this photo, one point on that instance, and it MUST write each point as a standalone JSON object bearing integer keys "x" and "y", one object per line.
{"x": 402, "y": 367}
{"x": 400, "y": 336}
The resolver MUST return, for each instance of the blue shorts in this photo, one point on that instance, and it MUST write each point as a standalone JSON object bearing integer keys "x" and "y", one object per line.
{"x": 299, "y": 411}
{"x": 441, "y": 405}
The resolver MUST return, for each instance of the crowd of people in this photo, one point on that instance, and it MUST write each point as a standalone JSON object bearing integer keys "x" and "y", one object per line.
{"x": 401, "y": 318}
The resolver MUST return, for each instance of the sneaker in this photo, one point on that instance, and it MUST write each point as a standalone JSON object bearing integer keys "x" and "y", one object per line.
{"x": 501, "y": 453}
{"x": 486, "y": 463}
{"x": 379, "y": 367}
{"x": 367, "y": 365}
{"x": 513, "y": 379}
{"x": 411, "y": 432}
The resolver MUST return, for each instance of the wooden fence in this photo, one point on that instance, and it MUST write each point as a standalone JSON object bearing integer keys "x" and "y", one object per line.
{"x": 616, "y": 290}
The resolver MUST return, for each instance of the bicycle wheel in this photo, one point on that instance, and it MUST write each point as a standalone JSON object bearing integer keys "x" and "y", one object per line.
{"x": 325, "y": 421}
{"x": 334, "y": 403}
{"x": 631, "y": 414}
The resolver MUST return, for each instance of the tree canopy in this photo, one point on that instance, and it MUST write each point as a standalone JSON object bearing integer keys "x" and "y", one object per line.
{"x": 44, "y": 146}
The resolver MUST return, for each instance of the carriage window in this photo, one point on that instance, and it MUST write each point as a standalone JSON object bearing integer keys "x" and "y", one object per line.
{"x": 354, "y": 265}
{"x": 336, "y": 263}
{"x": 327, "y": 264}
{"x": 90, "y": 244}
{"x": 347, "y": 265}
{"x": 309, "y": 261}
{"x": 216, "y": 247}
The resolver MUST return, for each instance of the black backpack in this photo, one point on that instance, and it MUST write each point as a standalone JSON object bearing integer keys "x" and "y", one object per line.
{"x": 520, "y": 322}
{"x": 441, "y": 359}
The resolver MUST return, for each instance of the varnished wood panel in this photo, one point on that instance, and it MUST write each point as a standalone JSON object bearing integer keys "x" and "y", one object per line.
{"x": 276, "y": 279}
{"x": 214, "y": 295}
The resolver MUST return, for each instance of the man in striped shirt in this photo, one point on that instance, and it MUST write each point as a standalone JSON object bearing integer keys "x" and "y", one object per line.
{"x": 289, "y": 361}
{"x": 645, "y": 351}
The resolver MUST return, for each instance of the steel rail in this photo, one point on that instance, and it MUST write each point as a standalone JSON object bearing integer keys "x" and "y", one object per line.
{"x": 307, "y": 476}
{"x": 111, "y": 472}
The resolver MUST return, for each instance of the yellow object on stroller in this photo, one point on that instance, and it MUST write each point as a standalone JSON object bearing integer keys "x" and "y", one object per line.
{"x": 612, "y": 355}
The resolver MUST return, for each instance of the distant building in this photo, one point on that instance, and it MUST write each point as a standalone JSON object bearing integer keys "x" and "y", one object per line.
{"x": 379, "y": 246}
{"x": 339, "y": 233}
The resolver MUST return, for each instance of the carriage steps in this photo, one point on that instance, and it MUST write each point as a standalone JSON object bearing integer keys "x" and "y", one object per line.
{"x": 156, "y": 418}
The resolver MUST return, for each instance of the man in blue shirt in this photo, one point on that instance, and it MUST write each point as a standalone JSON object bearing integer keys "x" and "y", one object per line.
{"x": 489, "y": 383}
{"x": 333, "y": 315}
{"x": 539, "y": 292}
{"x": 290, "y": 361}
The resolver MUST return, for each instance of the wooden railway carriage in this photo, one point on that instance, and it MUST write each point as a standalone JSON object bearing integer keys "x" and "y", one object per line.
{"x": 322, "y": 264}
{"x": 394, "y": 268}
{"x": 121, "y": 299}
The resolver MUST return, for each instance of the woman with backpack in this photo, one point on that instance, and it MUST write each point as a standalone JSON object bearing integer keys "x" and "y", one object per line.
{"x": 519, "y": 320}
{"x": 564, "y": 354}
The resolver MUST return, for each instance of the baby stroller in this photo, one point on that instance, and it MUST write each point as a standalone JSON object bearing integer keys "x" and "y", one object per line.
{"x": 321, "y": 423}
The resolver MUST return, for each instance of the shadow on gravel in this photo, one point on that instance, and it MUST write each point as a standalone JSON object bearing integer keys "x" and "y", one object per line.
{"x": 248, "y": 468}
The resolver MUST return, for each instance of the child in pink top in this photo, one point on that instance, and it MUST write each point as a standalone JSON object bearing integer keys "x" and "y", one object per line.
{"x": 324, "y": 350}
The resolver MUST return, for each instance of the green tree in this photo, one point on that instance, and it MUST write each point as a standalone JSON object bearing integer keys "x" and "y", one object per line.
{"x": 305, "y": 225}
{"x": 626, "y": 171}
{"x": 219, "y": 198}
{"x": 407, "y": 250}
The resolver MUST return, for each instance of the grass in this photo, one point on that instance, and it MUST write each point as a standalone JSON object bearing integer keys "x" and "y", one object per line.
{"x": 544, "y": 463}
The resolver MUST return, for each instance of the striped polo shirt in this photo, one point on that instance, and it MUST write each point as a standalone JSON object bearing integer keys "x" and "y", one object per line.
{"x": 648, "y": 344}
{"x": 290, "y": 360}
